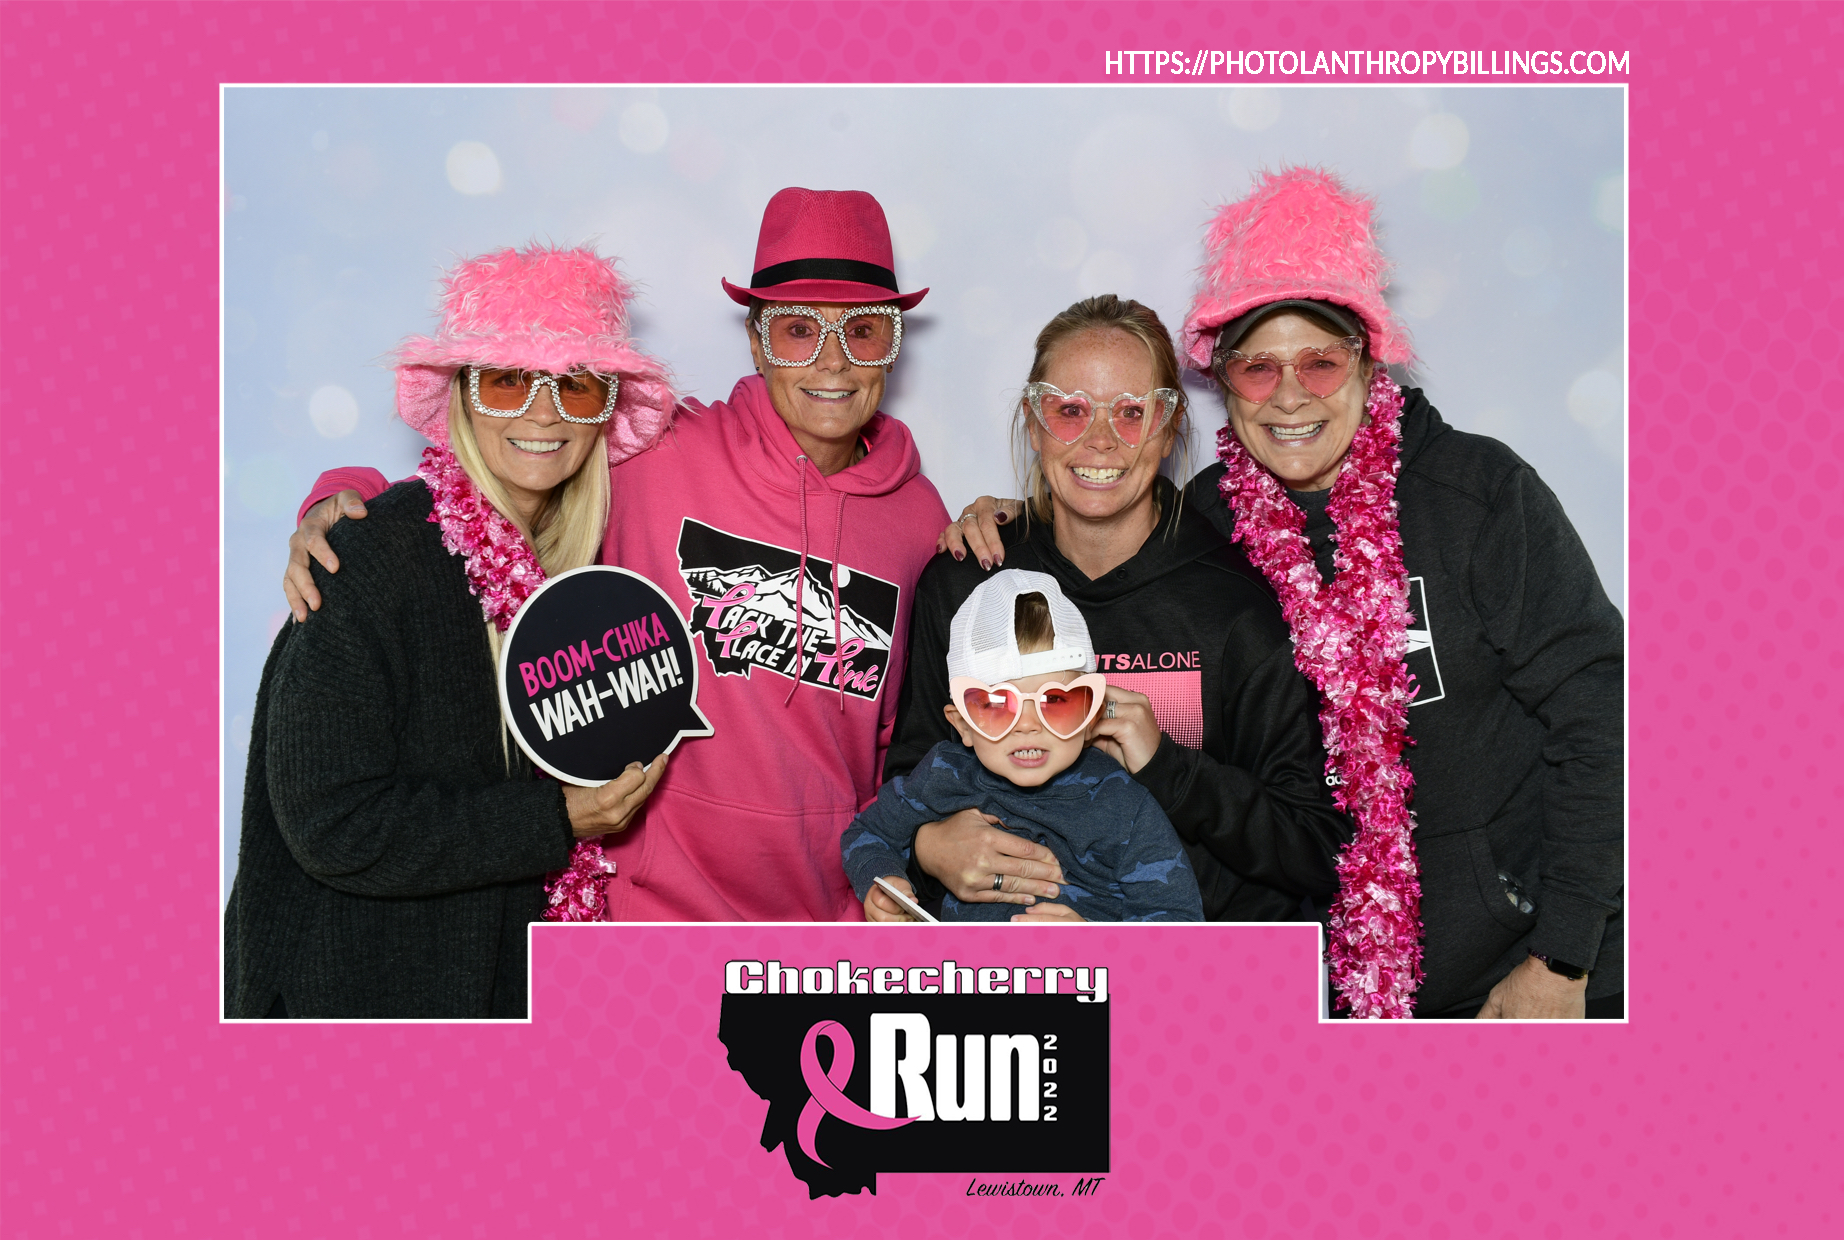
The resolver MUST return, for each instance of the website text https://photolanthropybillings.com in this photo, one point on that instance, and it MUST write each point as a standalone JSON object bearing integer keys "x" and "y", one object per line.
{"x": 1349, "y": 63}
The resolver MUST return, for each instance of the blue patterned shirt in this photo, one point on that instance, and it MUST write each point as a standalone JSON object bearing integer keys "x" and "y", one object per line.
{"x": 1121, "y": 859}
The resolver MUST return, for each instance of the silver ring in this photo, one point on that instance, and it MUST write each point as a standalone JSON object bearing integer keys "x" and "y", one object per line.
{"x": 998, "y": 882}
{"x": 965, "y": 517}
{"x": 1110, "y": 708}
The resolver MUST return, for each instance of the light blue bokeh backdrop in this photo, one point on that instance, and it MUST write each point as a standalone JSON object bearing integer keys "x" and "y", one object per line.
{"x": 1502, "y": 207}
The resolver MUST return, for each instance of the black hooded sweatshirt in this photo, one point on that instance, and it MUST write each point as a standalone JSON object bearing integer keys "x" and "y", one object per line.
{"x": 1240, "y": 769}
{"x": 1518, "y": 720}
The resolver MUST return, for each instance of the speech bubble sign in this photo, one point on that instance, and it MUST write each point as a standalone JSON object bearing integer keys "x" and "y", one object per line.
{"x": 597, "y": 671}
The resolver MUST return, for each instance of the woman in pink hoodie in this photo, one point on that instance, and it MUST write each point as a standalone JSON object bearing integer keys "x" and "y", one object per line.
{"x": 789, "y": 524}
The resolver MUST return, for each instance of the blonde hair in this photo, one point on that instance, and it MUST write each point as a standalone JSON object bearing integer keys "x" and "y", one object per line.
{"x": 570, "y": 524}
{"x": 1104, "y": 313}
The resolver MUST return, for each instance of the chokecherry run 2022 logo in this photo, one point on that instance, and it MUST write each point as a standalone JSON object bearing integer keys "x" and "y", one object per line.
{"x": 931, "y": 1068}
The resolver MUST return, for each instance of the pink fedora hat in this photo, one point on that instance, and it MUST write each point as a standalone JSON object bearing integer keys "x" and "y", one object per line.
{"x": 540, "y": 308}
{"x": 1300, "y": 235}
{"x": 824, "y": 245}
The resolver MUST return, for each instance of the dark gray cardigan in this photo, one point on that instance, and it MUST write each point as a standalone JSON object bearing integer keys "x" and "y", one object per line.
{"x": 390, "y": 863}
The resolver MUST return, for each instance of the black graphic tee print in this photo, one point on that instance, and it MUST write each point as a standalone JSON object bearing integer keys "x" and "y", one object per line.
{"x": 747, "y": 597}
{"x": 1423, "y": 664}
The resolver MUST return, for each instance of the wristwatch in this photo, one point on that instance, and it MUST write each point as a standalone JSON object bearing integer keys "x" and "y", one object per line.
{"x": 1561, "y": 968}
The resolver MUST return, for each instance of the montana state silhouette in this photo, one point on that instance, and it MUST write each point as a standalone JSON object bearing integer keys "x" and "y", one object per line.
{"x": 750, "y": 602}
{"x": 858, "y": 1084}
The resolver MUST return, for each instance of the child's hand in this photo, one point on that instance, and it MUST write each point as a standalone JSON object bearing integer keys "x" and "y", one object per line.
{"x": 878, "y": 906}
{"x": 1040, "y": 913}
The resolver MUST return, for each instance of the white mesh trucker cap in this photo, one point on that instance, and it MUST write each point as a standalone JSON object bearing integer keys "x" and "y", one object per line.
{"x": 983, "y": 638}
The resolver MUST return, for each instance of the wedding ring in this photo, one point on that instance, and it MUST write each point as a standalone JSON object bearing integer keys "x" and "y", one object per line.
{"x": 998, "y": 882}
{"x": 1110, "y": 708}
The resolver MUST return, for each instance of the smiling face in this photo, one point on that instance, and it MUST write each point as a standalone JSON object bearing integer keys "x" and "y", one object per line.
{"x": 533, "y": 454}
{"x": 1030, "y": 754}
{"x": 1098, "y": 478}
{"x": 1298, "y": 437}
{"x": 827, "y": 403}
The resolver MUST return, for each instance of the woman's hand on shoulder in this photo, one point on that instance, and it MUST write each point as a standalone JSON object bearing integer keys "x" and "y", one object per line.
{"x": 310, "y": 539}
{"x": 1131, "y": 735}
{"x": 978, "y": 530}
{"x": 611, "y": 807}
{"x": 967, "y": 852}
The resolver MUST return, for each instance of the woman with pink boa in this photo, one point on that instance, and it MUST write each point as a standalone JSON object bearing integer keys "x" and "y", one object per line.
{"x": 1468, "y": 662}
{"x": 395, "y": 841}
{"x": 788, "y": 524}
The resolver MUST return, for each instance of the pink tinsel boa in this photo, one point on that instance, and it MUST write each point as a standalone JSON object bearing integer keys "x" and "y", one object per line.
{"x": 502, "y": 572}
{"x": 1350, "y": 638}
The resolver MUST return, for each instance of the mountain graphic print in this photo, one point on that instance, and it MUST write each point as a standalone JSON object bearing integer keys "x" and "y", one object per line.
{"x": 744, "y": 598}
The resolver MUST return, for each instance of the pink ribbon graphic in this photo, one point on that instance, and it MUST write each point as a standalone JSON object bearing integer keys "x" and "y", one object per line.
{"x": 736, "y": 594}
{"x": 741, "y": 593}
{"x": 735, "y": 635}
{"x": 828, "y": 1098}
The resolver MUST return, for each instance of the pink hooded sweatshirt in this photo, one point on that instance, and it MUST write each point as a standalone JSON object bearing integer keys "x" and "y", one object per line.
{"x": 745, "y": 825}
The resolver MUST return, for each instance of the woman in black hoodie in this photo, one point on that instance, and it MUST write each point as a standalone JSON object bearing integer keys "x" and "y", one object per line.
{"x": 1493, "y": 644}
{"x": 1205, "y": 707}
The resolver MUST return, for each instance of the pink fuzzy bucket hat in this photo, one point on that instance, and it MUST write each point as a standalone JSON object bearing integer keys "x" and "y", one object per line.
{"x": 1300, "y": 236}
{"x": 538, "y": 308}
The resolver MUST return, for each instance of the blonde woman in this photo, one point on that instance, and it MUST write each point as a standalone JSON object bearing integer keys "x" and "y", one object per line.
{"x": 1204, "y": 707}
{"x": 395, "y": 845}
{"x": 788, "y": 523}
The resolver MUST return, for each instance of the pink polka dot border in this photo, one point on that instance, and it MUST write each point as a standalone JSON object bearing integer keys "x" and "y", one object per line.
{"x": 129, "y": 1109}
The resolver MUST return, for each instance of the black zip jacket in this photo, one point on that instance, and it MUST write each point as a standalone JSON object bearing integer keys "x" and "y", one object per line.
{"x": 1240, "y": 768}
{"x": 1517, "y": 724}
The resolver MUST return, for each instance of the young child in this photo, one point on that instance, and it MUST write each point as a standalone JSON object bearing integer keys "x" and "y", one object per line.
{"x": 1022, "y": 673}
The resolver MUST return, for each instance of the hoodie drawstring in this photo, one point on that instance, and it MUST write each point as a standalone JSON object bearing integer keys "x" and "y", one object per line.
{"x": 838, "y": 533}
{"x": 800, "y": 583}
{"x": 800, "y": 580}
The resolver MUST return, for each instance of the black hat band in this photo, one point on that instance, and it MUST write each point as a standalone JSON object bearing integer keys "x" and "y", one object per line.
{"x": 825, "y": 269}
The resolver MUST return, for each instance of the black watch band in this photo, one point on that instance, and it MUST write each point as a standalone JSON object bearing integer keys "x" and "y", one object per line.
{"x": 1561, "y": 968}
